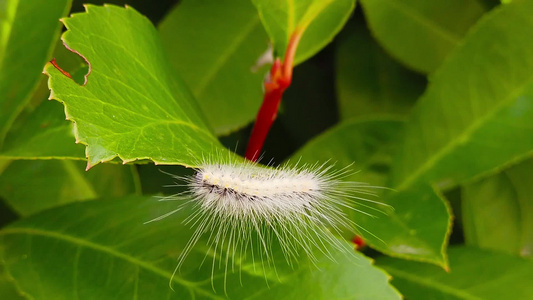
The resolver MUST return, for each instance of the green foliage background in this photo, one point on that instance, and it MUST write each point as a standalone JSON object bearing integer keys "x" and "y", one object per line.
{"x": 432, "y": 99}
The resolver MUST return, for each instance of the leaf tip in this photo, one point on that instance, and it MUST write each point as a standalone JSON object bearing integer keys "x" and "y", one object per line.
{"x": 90, "y": 162}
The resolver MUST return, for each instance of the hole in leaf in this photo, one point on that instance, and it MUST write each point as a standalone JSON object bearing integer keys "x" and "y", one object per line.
{"x": 71, "y": 64}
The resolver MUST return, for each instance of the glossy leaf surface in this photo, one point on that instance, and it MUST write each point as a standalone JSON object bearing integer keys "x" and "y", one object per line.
{"x": 480, "y": 101}
{"x": 368, "y": 81}
{"x": 418, "y": 225}
{"x": 421, "y": 33}
{"x": 318, "y": 20}
{"x": 214, "y": 46}
{"x": 498, "y": 211}
{"x": 52, "y": 256}
{"x": 474, "y": 274}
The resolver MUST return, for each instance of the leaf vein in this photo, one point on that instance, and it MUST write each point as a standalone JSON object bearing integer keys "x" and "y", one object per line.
{"x": 108, "y": 250}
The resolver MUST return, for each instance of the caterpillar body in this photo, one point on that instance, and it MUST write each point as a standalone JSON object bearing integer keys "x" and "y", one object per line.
{"x": 243, "y": 209}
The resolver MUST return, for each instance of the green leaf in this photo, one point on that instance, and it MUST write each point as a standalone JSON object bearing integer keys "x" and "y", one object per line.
{"x": 421, "y": 33}
{"x": 498, "y": 211}
{"x": 4, "y": 163}
{"x": 367, "y": 144}
{"x": 45, "y": 127}
{"x": 476, "y": 114}
{"x": 101, "y": 249}
{"x": 343, "y": 279}
{"x": 368, "y": 81}
{"x": 43, "y": 123}
{"x": 319, "y": 20}
{"x": 214, "y": 45}
{"x": 58, "y": 182}
{"x": 470, "y": 108}
{"x": 7, "y": 287}
{"x": 420, "y": 223}
{"x": 474, "y": 274}
{"x": 131, "y": 106}
{"x": 28, "y": 33}
{"x": 419, "y": 228}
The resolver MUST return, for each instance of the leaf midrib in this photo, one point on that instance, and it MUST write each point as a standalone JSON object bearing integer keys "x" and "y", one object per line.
{"x": 465, "y": 135}
{"x": 311, "y": 14}
{"x": 290, "y": 18}
{"x": 108, "y": 250}
{"x": 224, "y": 56}
{"x": 447, "y": 35}
{"x": 155, "y": 78}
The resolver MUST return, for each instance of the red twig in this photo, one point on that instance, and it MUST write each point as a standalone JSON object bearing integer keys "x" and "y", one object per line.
{"x": 279, "y": 80}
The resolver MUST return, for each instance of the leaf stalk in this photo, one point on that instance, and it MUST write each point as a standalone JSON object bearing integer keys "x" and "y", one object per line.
{"x": 279, "y": 80}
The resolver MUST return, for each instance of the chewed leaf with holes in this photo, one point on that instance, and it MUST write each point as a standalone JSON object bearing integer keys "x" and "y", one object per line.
{"x": 131, "y": 105}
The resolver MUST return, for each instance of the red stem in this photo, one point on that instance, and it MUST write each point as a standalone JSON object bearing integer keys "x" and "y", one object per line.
{"x": 291, "y": 52}
{"x": 279, "y": 81}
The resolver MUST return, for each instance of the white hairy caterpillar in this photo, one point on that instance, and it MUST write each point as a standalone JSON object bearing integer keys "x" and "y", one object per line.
{"x": 244, "y": 209}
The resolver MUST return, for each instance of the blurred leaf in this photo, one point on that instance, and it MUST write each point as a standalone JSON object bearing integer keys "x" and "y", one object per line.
{"x": 4, "y": 163}
{"x": 474, "y": 274}
{"x": 7, "y": 287}
{"x": 43, "y": 122}
{"x": 369, "y": 81}
{"x": 476, "y": 113}
{"x": 421, "y": 33}
{"x": 31, "y": 186}
{"x": 61, "y": 254}
{"x": 47, "y": 128}
{"x": 154, "y": 179}
{"x": 28, "y": 34}
{"x": 498, "y": 211}
{"x": 131, "y": 106}
{"x": 214, "y": 45}
{"x": 415, "y": 229}
{"x": 320, "y": 21}
{"x": 367, "y": 144}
